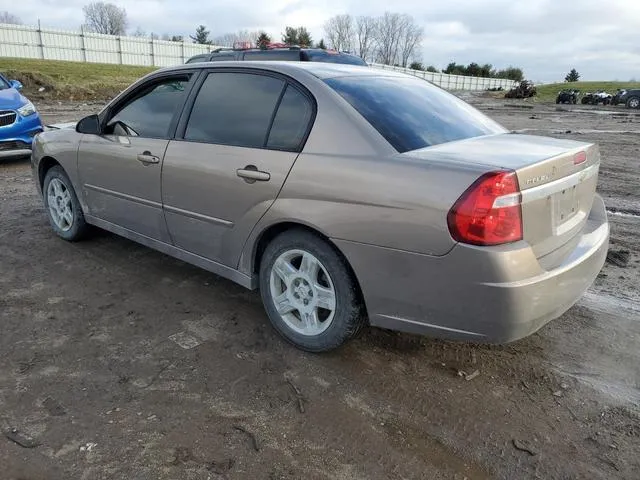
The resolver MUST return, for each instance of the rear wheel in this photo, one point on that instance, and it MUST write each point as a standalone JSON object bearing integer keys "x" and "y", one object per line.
{"x": 62, "y": 205}
{"x": 633, "y": 102}
{"x": 309, "y": 293}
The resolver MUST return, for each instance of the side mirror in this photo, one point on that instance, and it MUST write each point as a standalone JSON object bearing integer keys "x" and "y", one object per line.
{"x": 89, "y": 125}
{"x": 15, "y": 84}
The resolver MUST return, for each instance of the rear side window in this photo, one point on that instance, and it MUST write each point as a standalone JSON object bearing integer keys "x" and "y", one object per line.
{"x": 291, "y": 122}
{"x": 200, "y": 58}
{"x": 222, "y": 58}
{"x": 234, "y": 109}
{"x": 283, "y": 55}
{"x": 412, "y": 113}
{"x": 331, "y": 57}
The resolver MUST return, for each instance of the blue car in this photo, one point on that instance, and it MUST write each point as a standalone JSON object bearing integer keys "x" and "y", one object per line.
{"x": 19, "y": 120}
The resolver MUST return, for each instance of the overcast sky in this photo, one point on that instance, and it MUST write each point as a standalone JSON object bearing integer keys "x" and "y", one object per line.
{"x": 601, "y": 39}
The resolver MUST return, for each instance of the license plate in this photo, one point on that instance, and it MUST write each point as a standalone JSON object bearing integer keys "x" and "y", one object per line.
{"x": 565, "y": 205}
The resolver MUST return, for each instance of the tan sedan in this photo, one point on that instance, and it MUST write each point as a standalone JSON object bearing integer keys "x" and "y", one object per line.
{"x": 348, "y": 195}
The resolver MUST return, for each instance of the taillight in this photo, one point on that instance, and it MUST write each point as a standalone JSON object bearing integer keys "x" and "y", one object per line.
{"x": 488, "y": 212}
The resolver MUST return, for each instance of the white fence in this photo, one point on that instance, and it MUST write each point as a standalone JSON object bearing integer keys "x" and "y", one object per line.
{"x": 454, "y": 82}
{"x": 49, "y": 44}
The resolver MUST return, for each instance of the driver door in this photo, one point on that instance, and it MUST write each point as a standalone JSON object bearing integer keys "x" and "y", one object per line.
{"x": 120, "y": 169}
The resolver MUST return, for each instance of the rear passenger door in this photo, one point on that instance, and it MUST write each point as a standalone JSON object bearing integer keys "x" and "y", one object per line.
{"x": 236, "y": 142}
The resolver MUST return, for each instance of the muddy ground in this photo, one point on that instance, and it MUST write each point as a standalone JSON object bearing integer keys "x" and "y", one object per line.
{"x": 121, "y": 363}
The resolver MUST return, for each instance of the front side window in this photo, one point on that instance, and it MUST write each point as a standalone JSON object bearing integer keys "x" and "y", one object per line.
{"x": 234, "y": 109}
{"x": 150, "y": 113}
{"x": 411, "y": 113}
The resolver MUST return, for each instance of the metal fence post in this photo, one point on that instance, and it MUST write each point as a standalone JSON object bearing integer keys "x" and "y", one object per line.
{"x": 153, "y": 59}
{"x": 182, "y": 51}
{"x": 40, "y": 43}
{"x": 119, "y": 50}
{"x": 82, "y": 44}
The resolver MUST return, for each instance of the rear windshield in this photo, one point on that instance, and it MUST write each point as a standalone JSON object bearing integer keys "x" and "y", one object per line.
{"x": 328, "y": 57}
{"x": 411, "y": 113}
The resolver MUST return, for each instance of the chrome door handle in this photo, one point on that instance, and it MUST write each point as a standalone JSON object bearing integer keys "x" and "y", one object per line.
{"x": 147, "y": 159}
{"x": 251, "y": 174}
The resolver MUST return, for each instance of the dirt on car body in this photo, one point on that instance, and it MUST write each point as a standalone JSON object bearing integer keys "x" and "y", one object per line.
{"x": 120, "y": 362}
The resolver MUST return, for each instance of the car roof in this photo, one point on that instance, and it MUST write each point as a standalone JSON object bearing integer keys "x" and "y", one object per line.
{"x": 321, "y": 70}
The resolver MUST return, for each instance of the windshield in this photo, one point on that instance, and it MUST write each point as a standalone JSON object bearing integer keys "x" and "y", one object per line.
{"x": 411, "y": 113}
{"x": 327, "y": 57}
{"x": 3, "y": 83}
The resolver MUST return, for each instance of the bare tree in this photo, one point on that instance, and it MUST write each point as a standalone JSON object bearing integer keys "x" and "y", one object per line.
{"x": 390, "y": 28}
{"x": 138, "y": 32}
{"x": 6, "y": 17}
{"x": 229, "y": 39}
{"x": 410, "y": 38}
{"x": 366, "y": 35}
{"x": 106, "y": 18}
{"x": 340, "y": 32}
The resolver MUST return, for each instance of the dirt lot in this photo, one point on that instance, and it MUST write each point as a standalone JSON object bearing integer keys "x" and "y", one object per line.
{"x": 121, "y": 363}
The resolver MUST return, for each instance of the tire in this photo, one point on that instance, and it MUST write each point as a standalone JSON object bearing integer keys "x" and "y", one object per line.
{"x": 557, "y": 100}
{"x": 325, "y": 272}
{"x": 633, "y": 102}
{"x": 57, "y": 187}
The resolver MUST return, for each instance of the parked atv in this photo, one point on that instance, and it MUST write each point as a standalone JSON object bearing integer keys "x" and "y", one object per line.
{"x": 595, "y": 98}
{"x": 524, "y": 89}
{"x": 568, "y": 96}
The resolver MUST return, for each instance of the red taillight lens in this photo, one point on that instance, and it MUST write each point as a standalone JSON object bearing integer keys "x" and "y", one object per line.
{"x": 488, "y": 212}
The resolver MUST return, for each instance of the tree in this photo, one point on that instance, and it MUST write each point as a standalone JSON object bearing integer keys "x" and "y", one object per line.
{"x": 432, "y": 69}
{"x": 6, "y": 17}
{"x": 231, "y": 39}
{"x": 366, "y": 36}
{"x": 106, "y": 18}
{"x": 512, "y": 73}
{"x": 138, "y": 32}
{"x": 416, "y": 66}
{"x": 340, "y": 32}
{"x": 177, "y": 38}
{"x": 263, "y": 40}
{"x": 410, "y": 38}
{"x": 572, "y": 76}
{"x": 201, "y": 36}
{"x": 321, "y": 44}
{"x": 297, "y": 36}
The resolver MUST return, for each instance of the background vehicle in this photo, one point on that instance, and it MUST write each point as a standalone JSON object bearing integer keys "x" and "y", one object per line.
{"x": 279, "y": 53}
{"x": 524, "y": 89}
{"x": 629, "y": 98}
{"x": 19, "y": 120}
{"x": 568, "y": 96}
{"x": 595, "y": 98}
{"x": 343, "y": 193}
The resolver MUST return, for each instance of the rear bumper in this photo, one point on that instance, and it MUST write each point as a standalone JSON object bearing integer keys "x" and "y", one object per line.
{"x": 494, "y": 295}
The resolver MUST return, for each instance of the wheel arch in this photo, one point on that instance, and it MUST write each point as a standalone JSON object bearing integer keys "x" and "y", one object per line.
{"x": 272, "y": 231}
{"x": 46, "y": 163}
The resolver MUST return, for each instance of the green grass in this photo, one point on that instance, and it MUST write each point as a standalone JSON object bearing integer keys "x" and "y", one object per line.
{"x": 70, "y": 80}
{"x": 549, "y": 92}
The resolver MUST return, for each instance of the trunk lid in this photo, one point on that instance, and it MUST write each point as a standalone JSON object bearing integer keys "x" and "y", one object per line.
{"x": 557, "y": 191}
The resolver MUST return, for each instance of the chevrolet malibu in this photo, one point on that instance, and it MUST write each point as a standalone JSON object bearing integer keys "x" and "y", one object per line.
{"x": 348, "y": 195}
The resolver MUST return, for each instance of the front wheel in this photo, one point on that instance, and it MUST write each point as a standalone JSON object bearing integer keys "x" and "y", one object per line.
{"x": 309, "y": 293}
{"x": 62, "y": 205}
